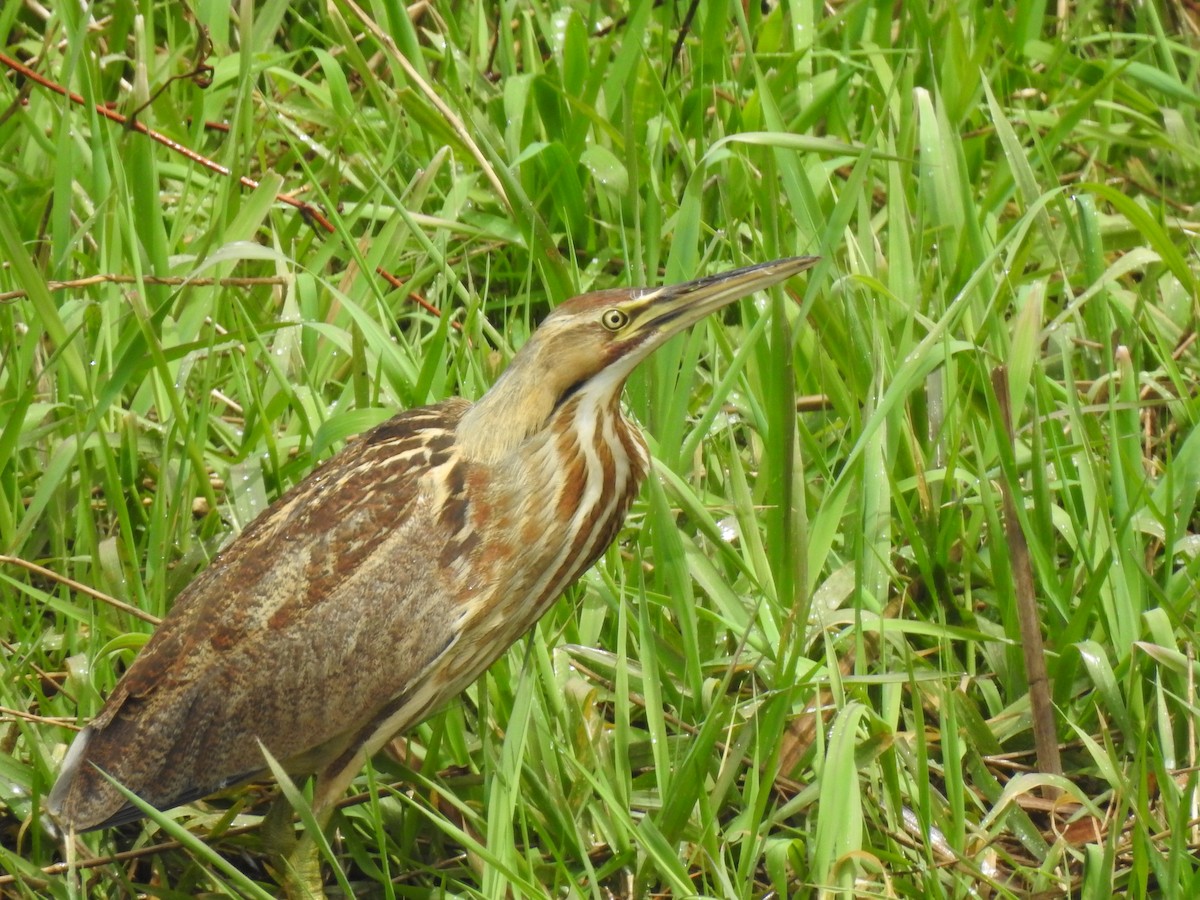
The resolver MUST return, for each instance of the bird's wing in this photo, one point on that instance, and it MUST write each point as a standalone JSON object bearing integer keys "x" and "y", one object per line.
{"x": 311, "y": 621}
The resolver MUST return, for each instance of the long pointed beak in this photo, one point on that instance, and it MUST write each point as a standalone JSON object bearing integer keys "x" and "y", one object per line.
{"x": 670, "y": 309}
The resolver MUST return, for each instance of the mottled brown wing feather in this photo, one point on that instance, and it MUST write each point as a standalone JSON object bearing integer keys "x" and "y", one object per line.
{"x": 267, "y": 642}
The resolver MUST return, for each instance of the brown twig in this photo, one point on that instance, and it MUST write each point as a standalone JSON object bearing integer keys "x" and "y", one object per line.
{"x": 81, "y": 588}
{"x": 96, "y": 862}
{"x": 170, "y": 281}
{"x": 11, "y": 713}
{"x": 53, "y": 680}
{"x": 201, "y": 73}
{"x": 807, "y": 402}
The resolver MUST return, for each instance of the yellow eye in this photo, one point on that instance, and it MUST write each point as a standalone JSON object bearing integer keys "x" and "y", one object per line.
{"x": 614, "y": 319}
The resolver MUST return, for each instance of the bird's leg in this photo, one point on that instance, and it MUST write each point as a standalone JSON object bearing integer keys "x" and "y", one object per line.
{"x": 296, "y": 860}
{"x": 299, "y": 858}
{"x": 302, "y": 878}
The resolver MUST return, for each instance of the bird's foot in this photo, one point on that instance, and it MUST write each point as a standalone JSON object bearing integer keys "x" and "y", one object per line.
{"x": 296, "y": 861}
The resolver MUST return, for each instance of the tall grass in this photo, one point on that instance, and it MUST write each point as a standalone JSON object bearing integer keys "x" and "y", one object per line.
{"x": 800, "y": 667}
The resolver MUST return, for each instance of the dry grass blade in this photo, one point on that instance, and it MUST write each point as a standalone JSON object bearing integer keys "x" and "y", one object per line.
{"x": 1033, "y": 650}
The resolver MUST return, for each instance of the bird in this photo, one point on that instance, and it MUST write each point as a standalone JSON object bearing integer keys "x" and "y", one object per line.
{"x": 383, "y": 584}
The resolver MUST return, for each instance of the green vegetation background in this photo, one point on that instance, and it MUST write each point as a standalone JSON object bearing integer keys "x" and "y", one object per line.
{"x": 800, "y": 667}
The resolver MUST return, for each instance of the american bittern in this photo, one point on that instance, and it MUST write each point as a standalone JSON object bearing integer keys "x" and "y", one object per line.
{"x": 387, "y": 581}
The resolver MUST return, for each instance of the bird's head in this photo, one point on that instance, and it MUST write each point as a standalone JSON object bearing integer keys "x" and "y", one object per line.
{"x": 593, "y": 342}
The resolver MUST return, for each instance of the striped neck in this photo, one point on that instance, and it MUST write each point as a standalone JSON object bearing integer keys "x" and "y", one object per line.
{"x": 591, "y": 461}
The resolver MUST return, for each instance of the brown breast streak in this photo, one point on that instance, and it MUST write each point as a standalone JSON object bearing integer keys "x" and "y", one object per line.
{"x": 574, "y": 470}
{"x": 592, "y": 494}
{"x": 599, "y": 525}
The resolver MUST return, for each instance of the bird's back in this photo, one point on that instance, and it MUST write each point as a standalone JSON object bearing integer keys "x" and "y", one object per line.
{"x": 268, "y": 641}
